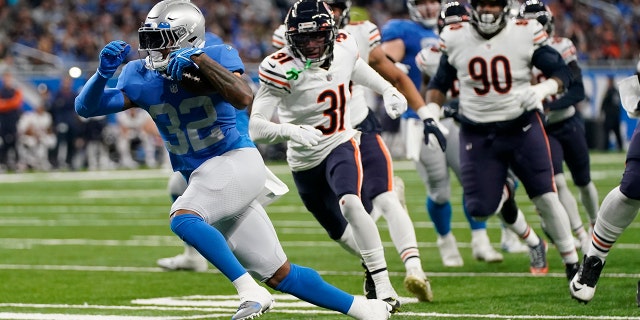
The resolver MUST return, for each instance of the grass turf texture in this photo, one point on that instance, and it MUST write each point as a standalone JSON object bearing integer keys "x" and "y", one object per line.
{"x": 84, "y": 246}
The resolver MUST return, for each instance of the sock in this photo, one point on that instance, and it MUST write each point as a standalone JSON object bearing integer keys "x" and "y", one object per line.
{"x": 616, "y": 214}
{"x": 523, "y": 230}
{"x": 209, "y": 242}
{"x": 589, "y": 199}
{"x": 440, "y": 215}
{"x": 401, "y": 229}
{"x": 306, "y": 284}
{"x": 474, "y": 224}
{"x": 377, "y": 266}
{"x": 556, "y": 224}
{"x": 569, "y": 203}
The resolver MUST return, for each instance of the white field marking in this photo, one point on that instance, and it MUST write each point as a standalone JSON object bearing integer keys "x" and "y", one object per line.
{"x": 224, "y": 306}
{"x": 321, "y": 272}
{"x": 109, "y": 194}
{"x": 86, "y": 176}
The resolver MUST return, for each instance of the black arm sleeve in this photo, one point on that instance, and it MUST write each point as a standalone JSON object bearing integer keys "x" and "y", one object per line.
{"x": 444, "y": 77}
{"x": 573, "y": 94}
{"x": 550, "y": 62}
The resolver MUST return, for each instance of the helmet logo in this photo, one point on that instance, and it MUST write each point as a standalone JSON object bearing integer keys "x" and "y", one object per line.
{"x": 307, "y": 26}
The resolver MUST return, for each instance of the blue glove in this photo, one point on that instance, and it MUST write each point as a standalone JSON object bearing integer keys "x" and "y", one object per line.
{"x": 431, "y": 129}
{"x": 111, "y": 57}
{"x": 181, "y": 59}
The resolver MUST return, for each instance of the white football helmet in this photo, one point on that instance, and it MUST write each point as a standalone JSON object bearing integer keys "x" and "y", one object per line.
{"x": 431, "y": 12}
{"x": 170, "y": 25}
{"x": 489, "y": 24}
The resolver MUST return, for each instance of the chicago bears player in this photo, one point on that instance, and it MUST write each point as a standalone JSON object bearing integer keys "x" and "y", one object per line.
{"x": 402, "y": 40}
{"x": 499, "y": 111}
{"x": 307, "y": 83}
{"x": 377, "y": 194}
{"x": 225, "y": 172}
{"x": 618, "y": 209}
{"x": 565, "y": 128}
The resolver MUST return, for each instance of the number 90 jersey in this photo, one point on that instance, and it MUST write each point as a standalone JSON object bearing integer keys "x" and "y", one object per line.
{"x": 194, "y": 128}
{"x": 310, "y": 95}
{"x": 492, "y": 72}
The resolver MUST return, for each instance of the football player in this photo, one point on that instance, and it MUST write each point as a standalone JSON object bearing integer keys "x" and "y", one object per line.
{"x": 618, "y": 209}
{"x": 500, "y": 115}
{"x": 307, "y": 83}
{"x": 377, "y": 190}
{"x": 565, "y": 127}
{"x": 219, "y": 209}
{"x": 402, "y": 39}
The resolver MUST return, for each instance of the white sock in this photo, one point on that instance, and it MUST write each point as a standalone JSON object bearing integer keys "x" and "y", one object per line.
{"x": 556, "y": 224}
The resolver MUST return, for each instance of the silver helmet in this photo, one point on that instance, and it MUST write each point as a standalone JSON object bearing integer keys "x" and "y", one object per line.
{"x": 169, "y": 26}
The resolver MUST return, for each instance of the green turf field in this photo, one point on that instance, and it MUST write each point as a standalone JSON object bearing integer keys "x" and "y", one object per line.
{"x": 84, "y": 246}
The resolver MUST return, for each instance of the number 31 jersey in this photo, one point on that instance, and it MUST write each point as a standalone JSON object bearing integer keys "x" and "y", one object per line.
{"x": 311, "y": 96}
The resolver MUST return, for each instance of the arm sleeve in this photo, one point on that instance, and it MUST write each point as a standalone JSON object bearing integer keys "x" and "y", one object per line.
{"x": 573, "y": 94}
{"x": 444, "y": 77}
{"x": 261, "y": 128}
{"x": 94, "y": 100}
{"x": 550, "y": 62}
{"x": 365, "y": 75}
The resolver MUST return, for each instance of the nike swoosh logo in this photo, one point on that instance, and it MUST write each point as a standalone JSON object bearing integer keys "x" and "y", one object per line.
{"x": 576, "y": 289}
{"x": 271, "y": 65}
{"x": 526, "y": 128}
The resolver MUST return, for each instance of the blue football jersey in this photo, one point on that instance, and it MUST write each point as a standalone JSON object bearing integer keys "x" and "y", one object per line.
{"x": 415, "y": 37}
{"x": 194, "y": 128}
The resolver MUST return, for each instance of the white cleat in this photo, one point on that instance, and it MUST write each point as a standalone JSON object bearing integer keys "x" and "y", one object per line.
{"x": 254, "y": 304}
{"x": 379, "y": 310}
{"x": 183, "y": 262}
{"x": 483, "y": 251}
{"x": 449, "y": 251}
{"x": 583, "y": 285}
{"x": 510, "y": 242}
{"x": 418, "y": 284}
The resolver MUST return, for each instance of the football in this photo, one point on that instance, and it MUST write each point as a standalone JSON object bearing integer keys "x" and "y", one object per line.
{"x": 194, "y": 81}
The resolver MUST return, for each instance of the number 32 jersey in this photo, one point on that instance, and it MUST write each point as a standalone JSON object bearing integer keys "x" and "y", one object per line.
{"x": 492, "y": 72}
{"x": 194, "y": 128}
{"x": 310, "y": 96}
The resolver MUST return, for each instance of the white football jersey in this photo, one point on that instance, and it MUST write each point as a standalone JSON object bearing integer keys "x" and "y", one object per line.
{"x": 569, "y": 53}
{"x": 428, "y": 61}
{"x": 312, "y": 96}
{"x": 367, "y": 36}
{"x": 492, "y": 71}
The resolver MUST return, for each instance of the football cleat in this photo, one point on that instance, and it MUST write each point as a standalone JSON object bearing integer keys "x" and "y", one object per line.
{"x": 482, "y": 250}
{"x": 253, "y": 305}
{"x": 184, "y": 262}
{"x": 510, "y": 242}
{"x": 378, "y": 310}
{"x": 449, "y": 251}
{"x": 369, "y": 286}
{"x": 571, "y": 269}
{"x": 583, "y": 285}
{"x": 393, "y": 303}
{"x": 538, "y": 258}
{"x": 419, "y": 286}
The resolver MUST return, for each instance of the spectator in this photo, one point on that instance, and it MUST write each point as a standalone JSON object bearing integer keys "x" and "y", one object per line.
{"x": 610, "y": 112}
{"x": 10, "y": 110}
{"x": 66, "y": 125}
{"x": 35, "y": 138}
{"x": 132, "y": 124}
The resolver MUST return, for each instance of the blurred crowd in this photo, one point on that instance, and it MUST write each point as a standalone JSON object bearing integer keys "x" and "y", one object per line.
{"x": 77, "y": 30}
{"x": 50, "y": 135}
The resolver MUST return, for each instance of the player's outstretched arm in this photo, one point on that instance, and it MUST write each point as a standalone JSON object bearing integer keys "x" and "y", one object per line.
{"x": 94, "y": 99}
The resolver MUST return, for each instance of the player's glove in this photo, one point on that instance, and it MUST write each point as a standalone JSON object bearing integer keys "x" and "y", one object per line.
{"x": 394, "y": 102}
{"x": 111, "y": 57}
{"x": 434, "y": 131}
{"x": 181, "y": 59}
{"x": 450, "y": 109}
{"x": 305, "y": 135}
{"x": 532, "y": 97}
